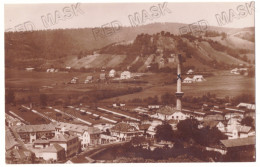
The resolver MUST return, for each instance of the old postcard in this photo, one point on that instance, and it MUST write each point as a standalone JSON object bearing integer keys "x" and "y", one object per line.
{"x": 129, "y": 82}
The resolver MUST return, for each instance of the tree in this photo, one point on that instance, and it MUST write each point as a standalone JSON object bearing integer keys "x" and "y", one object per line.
{"x": 164, "y": 132}
{"x": 248, "y": 121}
{"x": 43, "y": 99}
{"x": 32, "y": 158}
{"x": 168, "y": 98}
{"x": 9, "y": 96}
{"x": 12, "y": 157}
{"x": 187, "y": 128}
{"x": 209, "y": 136}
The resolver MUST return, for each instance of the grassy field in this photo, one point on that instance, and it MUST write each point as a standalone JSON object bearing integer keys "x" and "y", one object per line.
{"x": 25, "y": 84}
{"x": 222, "y": 84}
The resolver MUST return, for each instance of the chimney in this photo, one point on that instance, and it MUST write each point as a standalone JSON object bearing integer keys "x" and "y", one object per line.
{"x": 179, "y": 93}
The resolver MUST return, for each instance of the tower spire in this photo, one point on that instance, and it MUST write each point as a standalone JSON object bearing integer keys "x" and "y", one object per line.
{"x": 179, "y": 93}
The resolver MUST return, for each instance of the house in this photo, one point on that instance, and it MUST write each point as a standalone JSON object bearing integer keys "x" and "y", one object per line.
{"x": 19, "y": 155}
{"x": 39, "y": 143}
{"x": 125, "y": 75}
{"x": 231, "y": 115}
{"x": 168, "y": 113}
{"x": 50, "y": 70}
{"x": 246, "y": 105}
{"x": 189, "y": 72}
{"x": 68, "y": 141}
{"x": 30, "y": 133}
{"x": 154, "y": 106}
{"x": 29, "y": 69}
{"x": 74, "y": 80}
{"x": 102, "y": 76}
{"x": 240, "y": 148}
{"x": 213, "y": 117}
{"x": 194, "y": 114}
{"x": 10, "y": 140}
{"x": 235, "y": 71}
{"x": 198, "y": 78}
{"x": 152, "y": 128}
{"x": 124, "y": 132}
{"x": 187, "y": 80}
{"x": 12, "y": 121}
{"x": 237, "y": 131}
{"x": 89, "y": 79}
{"x": 103, "y": 127}
{"x": 112, "y": 73}
{"x": 179, "y": 116}
{"x": 164, "y": 113}
{"x": 53, "y": 152}
{"x": 87, "y": 135}
{"x": 171, "y": 60}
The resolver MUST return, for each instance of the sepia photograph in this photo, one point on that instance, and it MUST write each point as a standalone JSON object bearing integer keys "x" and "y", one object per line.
{"x": 129, "y": 82}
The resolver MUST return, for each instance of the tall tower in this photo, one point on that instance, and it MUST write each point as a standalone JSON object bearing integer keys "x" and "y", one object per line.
{"x": 179, "y": 93}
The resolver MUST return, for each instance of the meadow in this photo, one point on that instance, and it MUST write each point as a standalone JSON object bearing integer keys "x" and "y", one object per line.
{"x": 26, "y": 84}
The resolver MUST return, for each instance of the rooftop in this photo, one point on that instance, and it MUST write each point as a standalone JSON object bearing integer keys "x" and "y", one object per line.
{"x": 123, "y": 127}
{"x": 53, "y": 148}
{"x": 239, "y": 142}
{"x": 77, "y": 128}
{"x": 166, "y": 110}
{"x": 10, "y": 140}
{"x": 62, "y": 138}
{"x": 34, "y": 128}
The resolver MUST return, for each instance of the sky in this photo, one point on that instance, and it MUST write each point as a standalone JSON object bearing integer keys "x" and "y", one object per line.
{"x": 98, "y": 14}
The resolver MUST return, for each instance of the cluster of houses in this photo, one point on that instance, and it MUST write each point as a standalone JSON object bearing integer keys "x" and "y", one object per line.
{"x": 196, "y": 78}
{"x": 103, "y": 77}
{"x": 58, "y": 141}
{"x": 238, "y": 71}
{"x": 52, "y": 70}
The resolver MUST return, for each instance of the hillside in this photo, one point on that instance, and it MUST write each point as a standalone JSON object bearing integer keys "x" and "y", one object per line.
{"x": 78, "y": 48}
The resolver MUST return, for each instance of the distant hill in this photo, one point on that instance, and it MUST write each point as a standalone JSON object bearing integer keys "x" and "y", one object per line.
{"x": 78, "y": 47}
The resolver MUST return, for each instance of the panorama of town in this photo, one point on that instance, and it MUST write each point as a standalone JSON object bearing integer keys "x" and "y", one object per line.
{"x": 142, "y": 95}
{"x": 78, "y": 133}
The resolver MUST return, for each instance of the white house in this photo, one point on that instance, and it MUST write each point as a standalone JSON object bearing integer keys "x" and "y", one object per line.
{"x": 179, "y": 116}
{"x": 188, "y": 80}
{"x": 87, "y": 135}
{"x": 53, "y": 152}
{"x": 235, "y": 71}
{"x": 238, "y": 131}
{"x": 112, "y": 73}
{"x": 29, "y": 69}
{"x": 50, "y": 70}
{"x": 247, "y": 105}
{"x": 125, "y": 75}
{"x": 123, "y": 131}
{"x": 89, "y": 79}
{"x": 74, "y": 80}
{"x": 198, "y": 78}
{"x": 190, "y": 71}
{"x": 168, "y": 113}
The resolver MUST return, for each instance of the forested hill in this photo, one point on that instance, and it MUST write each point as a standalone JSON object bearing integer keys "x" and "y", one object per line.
{"x": 61, "y": 47}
